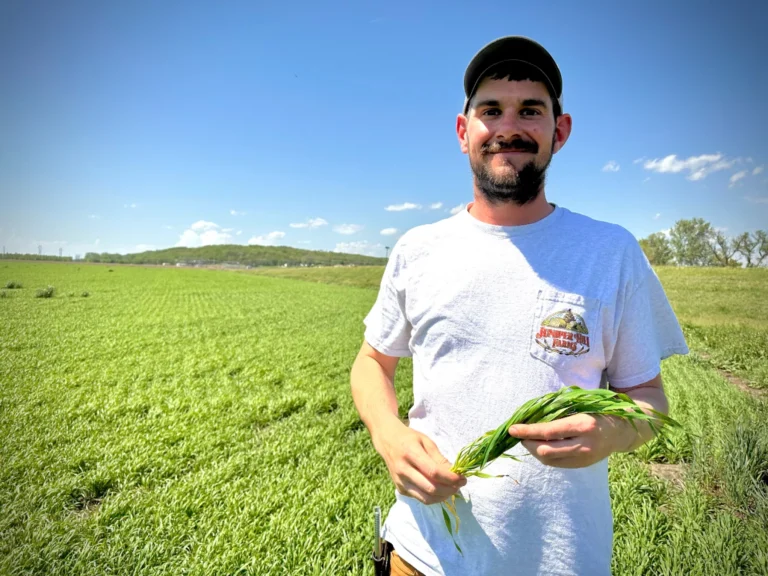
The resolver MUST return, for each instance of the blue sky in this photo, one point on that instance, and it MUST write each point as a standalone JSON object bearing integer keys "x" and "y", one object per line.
{"x": 140, "y": 125}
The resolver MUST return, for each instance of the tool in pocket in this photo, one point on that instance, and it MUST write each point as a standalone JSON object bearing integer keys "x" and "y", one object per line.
{"x": 382, "y": 549}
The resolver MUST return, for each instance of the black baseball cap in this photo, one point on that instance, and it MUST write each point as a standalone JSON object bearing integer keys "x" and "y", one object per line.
{"x": 511, "y": 49}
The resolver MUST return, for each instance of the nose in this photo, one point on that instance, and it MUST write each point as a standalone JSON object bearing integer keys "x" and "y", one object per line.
{"x": 508, "y": 126}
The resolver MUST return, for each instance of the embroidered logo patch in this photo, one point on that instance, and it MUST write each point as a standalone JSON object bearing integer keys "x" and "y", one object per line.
{"x": 565, "y": 333}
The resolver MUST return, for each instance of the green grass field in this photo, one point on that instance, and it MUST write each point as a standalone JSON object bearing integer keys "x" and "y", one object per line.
{"x": 357, "y": 276}
{"x": 182, "y": 421}
{"x": 723, "y": 312}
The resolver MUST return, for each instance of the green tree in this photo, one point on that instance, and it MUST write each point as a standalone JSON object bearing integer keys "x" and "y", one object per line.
{"x": 745, "y": 246}
{"x": 723, "y": 249}
{"x": 762, "y": 247}
{"x": 657, "y": 249}
{"x": 690, "y": 242}
{"x": 752, "y": 247}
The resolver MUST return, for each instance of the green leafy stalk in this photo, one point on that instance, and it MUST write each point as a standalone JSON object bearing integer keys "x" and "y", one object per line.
{"x": 478, "y": 454}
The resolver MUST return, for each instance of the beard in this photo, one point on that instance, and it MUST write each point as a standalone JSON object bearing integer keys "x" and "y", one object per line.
{"x": 521, "y": 186}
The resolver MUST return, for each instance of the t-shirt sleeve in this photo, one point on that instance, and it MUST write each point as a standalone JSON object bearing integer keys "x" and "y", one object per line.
{"x": 647, "y": 332}
{"x": 387, "y": 327}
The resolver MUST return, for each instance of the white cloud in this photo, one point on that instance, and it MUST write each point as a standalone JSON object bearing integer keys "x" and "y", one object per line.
{"x": 190, "y": 239}
{"x": 143, "y": 247}
{"x": 698, "y": 167}
{"x": 236, "y": 213}
{"x": 736, "y": 177}
{"x": 401, "y": 207}
{"x": 362, "y": 247}
{"x": 93, "y": 216}
{"x": 168, "y": 227}
{"x": 436, "y": 206}
{"x": 304, "y": 242}
{"x": 667, "y": 232}
{"x": 238, "y": 233}
{"x": 267, "y": 239}
{"x": 203, "y": 233}
{"x": 129, "y": 205}
{"x": 457, "y": 209}
{"x": 311, "y": 223}
{"x": 658, "y": 215}
{"x": 202, "y": 226}
{"x": 612, "y": 166}
{"x": 646, "y": 180}
{"x": 638, "y": 160}
{"x": 389, "y": 231}
{"x": 348, "y": 228}
{"x": 757, "y": 199}
{"x": 758, "y": 170}
{"x": 97, "y": 242}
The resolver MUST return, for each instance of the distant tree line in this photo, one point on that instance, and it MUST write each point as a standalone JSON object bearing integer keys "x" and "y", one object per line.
{"x": 15, "y": 256}
{"x": 692, "y": 242}
{"x": 237, "y": 254}
{"x": 696, "y": 242}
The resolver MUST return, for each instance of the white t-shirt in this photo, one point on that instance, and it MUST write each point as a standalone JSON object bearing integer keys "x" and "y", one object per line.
{"x": 494, "y": 316}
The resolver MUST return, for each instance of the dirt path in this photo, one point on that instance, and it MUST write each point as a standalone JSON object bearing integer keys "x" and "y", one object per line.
{"x": 737, "y": 381}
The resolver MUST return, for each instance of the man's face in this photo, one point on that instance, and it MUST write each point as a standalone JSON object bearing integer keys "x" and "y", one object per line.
{"x": 510, "y": 135}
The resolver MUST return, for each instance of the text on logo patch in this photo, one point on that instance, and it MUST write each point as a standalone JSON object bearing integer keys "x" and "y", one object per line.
{"x": 564, "y": 332}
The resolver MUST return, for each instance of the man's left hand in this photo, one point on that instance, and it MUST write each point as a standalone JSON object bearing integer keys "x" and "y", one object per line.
{"x": 576, "y": 441}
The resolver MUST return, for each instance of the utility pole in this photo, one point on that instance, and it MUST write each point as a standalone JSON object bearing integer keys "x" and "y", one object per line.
{"x": 59, "y": 252}
{"x": 387, "y": 248}
{"x": 40, "y": 249}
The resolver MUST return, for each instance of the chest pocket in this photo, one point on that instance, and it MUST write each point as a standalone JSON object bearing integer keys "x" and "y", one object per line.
{"x": 566, "y": 335}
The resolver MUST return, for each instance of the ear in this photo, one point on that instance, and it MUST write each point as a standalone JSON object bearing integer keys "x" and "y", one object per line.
{"x": 562, "y": 131}
{"x": 461, "y": 133}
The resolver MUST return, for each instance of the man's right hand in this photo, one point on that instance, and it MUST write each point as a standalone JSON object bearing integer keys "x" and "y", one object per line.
{"x": 416, "y": 465}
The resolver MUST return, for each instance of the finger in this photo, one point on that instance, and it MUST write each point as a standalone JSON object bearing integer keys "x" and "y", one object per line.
{"x": 413, "y": 491}
{"x": 558, "y": 430}
{"x": 441, "y": 471}
{"x": 435, "y": 473}
{"x": 423, "y": 490}
{"x": 547, "y": 431}
{"x": 555, "y": 449}
{"x": 407, "y": 489}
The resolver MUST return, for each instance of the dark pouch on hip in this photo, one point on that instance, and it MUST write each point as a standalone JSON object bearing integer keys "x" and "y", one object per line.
{"x": 381, "y": 564}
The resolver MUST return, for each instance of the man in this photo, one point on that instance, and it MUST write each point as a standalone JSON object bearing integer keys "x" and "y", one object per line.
{"x": 509, "y": 299}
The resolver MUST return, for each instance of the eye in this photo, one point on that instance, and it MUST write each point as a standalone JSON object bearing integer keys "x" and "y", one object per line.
{"x": 491, "y": 112}
{"x": 530, "y": 112}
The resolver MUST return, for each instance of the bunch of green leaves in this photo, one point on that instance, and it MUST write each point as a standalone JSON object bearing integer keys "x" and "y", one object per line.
{"x": 569, "y": 401}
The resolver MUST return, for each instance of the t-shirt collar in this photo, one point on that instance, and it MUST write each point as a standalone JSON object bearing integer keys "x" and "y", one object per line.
{"x": 508, "y": 231}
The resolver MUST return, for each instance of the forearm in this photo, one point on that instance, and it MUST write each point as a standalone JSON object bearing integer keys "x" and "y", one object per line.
{"x": 373, "y": 393}
{"x": 646, "y": 397}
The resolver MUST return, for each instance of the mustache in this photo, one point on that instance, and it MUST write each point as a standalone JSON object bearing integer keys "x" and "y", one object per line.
{"x": 516, "y": 145}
